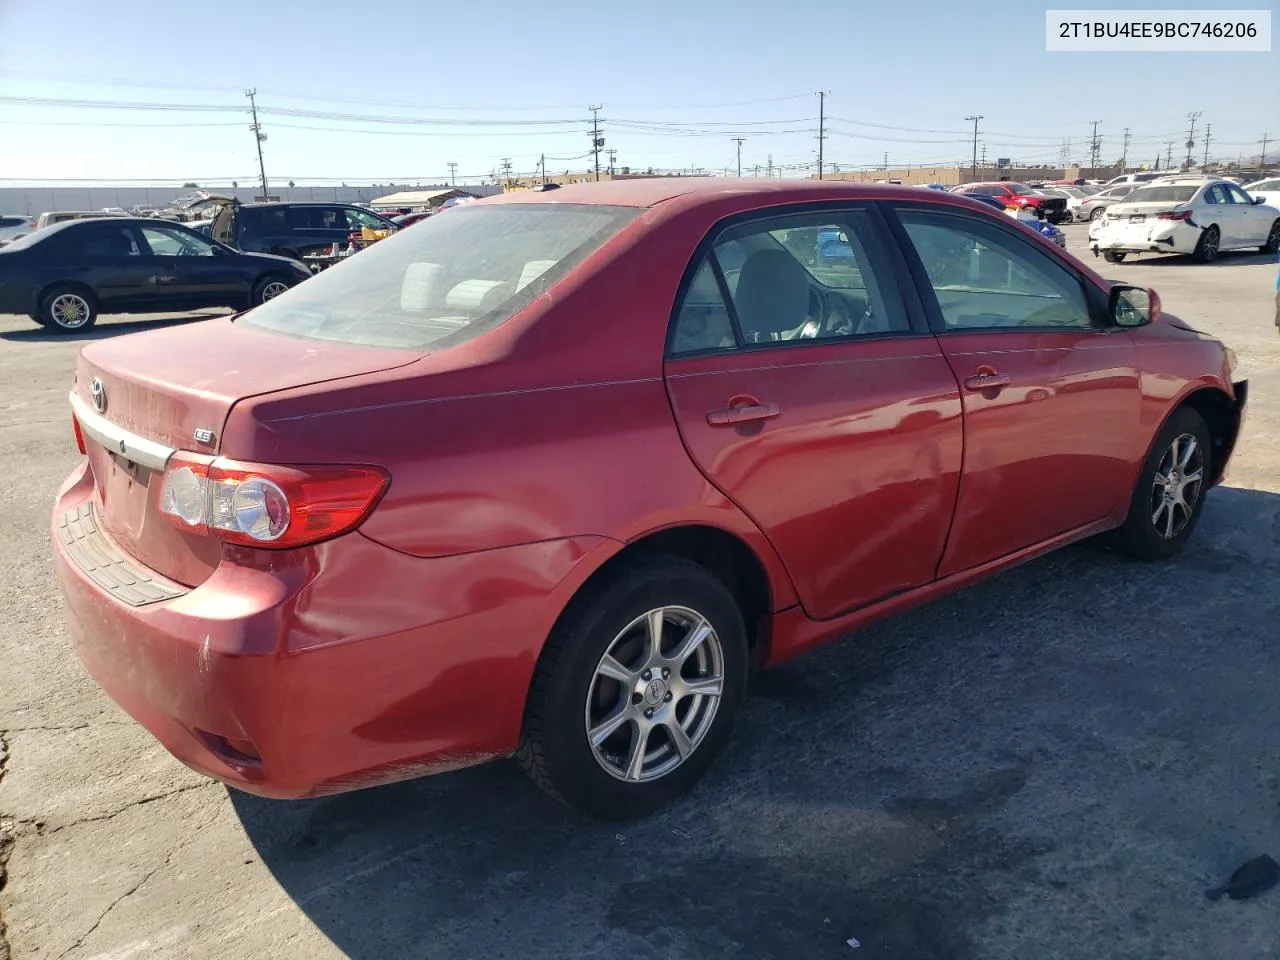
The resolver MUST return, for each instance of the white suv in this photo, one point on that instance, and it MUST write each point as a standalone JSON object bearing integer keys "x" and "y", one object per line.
{"x": 1197, "y": 215}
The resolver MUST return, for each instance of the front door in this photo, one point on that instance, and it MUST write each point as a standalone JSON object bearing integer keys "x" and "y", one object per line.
{"x": 191, "y": 272}
{"x": 811, "y": 393}
{"x": 1051, "y": 394}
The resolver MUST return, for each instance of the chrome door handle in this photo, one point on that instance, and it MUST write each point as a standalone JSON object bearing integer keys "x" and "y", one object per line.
{"x": 747, "y": 413}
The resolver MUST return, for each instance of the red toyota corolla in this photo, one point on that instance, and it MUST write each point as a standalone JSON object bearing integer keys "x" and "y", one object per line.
{"x": 548, "y": 475}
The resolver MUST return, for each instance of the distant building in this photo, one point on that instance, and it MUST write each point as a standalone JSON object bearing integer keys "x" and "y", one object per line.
{"x": 517, "y": 184}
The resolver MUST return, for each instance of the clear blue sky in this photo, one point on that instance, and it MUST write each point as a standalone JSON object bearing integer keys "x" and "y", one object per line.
{"x": 677, "y": 80}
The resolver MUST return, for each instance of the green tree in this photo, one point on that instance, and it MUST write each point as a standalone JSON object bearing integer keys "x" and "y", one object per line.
{"x": 190, "y": 186}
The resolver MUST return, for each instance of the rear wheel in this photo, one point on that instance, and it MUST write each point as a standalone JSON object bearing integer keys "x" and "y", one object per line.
{"x": 1206, "y": 250}
{"x": 1273, "y": 239}
{"x": 66, "y": 308}
{"x": 636, "y": 690}
{"x": 268, "y": 288}
{"x": 1167, "y": 501}
{"x": 1098, "y": 213}
{"x": 1113, "y": 256}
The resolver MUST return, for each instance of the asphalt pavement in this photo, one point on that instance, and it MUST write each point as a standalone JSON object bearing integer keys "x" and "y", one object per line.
{"x": 1053, "y": 764}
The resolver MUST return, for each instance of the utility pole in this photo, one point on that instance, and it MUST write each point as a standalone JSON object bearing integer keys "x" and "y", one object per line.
{"x": 755, "y": 171}
{"x": 612, "y": 154}
{"x": 1168, "y": 162}
{"x": 453, "y": 174}
{"x": 822, "y": 127}
{"x": 1094, "y": 145}
{"x": 975, "y": 120}
{"x": 1191, "y": 134}
{"x": 984, "y": 156}
{"x": 739, "y": 141}
{"x": 1262, "y": 158}
{"x": 542, "y": 167}
{"x": 597, "y": 141}
{"x": 259, "y": 136}
{"x": 1208, "y": 132}
{"x": 1124, "y": 151}
{"x": 886, "y": 161}
{"x": 506, "y": 170}
{"x": 768, "y": 170}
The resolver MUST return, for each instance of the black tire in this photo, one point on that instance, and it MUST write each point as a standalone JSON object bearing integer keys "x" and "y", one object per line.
{"x": 1097, "y": 213}
{"x": 36, "y": 318}
{"x": 62, "y": 301}
{"x": 1113, "y": 256}
{"x": 1273, "y": 239}
{"x": 267, "y": 289}
{"x": 1206, "y": 250}
{"x": 1145, "y": 533}
{"x": 554, "y": 749}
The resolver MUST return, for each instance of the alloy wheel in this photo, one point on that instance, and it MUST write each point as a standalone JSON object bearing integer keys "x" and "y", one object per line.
{"x": 654, "y": 694}
{"x": 273, "y": 289}
{"x": 70, "y": 311}
{"x": 1176, "y": 487}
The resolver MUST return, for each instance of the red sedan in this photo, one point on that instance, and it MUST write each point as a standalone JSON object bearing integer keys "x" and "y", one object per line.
{"x": 549, "y": 475}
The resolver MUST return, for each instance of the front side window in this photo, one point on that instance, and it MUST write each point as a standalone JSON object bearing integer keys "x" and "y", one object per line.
{"x": 447, "y": 280}
{"x": 1237, "y": 195}
{"x": 166, "y": 242}
{"x": 985, "y": 278}
{"x": 789, "y": 279}
{"x": 357, "y": 218}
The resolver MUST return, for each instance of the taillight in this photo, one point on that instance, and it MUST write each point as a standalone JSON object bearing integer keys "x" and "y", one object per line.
{"x": 268, "y": 506}
{"x": 1174, "y": 215}
{"x": 75, "y": 425}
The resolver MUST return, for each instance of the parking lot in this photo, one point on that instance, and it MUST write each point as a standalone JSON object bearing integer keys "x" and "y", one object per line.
{"x": 1053, "y": 764}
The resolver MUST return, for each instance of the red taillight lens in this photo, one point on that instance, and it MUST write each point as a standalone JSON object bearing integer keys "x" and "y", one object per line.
{"x": 75, "y": 425}
{"x": 1174, "y": 215}
{"x": 268, "y": 506}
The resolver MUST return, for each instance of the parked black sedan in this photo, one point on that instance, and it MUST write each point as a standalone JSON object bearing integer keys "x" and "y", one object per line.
{"x": 64, "y": 276}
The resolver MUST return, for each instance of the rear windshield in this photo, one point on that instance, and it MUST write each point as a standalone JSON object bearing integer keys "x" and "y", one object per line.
{"x": 444, "y": 280}
{"x": 1162, "y": 194}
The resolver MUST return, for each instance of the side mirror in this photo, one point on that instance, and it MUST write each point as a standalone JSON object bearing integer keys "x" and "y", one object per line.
{"x": 1258, "y": 200}
{"x": 1131, "y": 306}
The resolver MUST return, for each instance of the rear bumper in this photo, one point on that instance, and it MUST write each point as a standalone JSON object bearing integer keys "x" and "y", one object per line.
{"x": 306, "y": 672}
{"x": 1150, "y": 236}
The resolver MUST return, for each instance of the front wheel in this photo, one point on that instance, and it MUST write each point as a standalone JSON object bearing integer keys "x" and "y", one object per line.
{"x": 1167, "y": 501}
{"x": 1273, "y": 239}
{"x": 1113, "y": 256}
{"x": 636, "y": 690}
{"x": 1098, "y": 213}
{"x": 1206, "y": 250}
{"x": 268, "y": 288}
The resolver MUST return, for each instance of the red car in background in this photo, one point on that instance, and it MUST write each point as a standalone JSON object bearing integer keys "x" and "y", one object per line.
{"x": 549, "y": 475}
{"x": 1053, "y": 209}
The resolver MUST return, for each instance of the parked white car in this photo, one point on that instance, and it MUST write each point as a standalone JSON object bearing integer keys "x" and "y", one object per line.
{"x": 1145, "y": 177}
{"x": 1268, "y": 190}
{"x": 15, "y": 225}
{"x": 1196, "y": 215}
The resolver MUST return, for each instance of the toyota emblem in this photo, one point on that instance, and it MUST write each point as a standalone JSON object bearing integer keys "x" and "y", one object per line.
{"x": 98, "y": 394}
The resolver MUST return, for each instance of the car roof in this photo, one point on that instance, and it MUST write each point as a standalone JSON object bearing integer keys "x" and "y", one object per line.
{"x": 304, "y": 203}
{"x": 650, "y": 192}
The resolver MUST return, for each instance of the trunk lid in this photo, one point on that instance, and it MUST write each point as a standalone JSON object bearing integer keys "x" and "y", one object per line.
{"x": 1122, "y": 211}
{"x": 163, "y": 386}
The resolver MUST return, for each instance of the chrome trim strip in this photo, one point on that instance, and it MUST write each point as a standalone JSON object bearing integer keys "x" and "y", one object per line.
{"x": 140, "y": 450}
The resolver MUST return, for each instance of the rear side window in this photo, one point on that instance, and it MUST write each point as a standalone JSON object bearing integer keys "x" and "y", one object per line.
{"x": 12, "y": 221}
{"x": 446, "y": 281}
{"x": 263, "y": 220}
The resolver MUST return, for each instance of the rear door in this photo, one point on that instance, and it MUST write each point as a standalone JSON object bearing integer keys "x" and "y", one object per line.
{"x": 1051, "y": 394}
{"x": 109, "y": 258}
{"x": 190, "y": 272}
{"x": 809, "y": 390}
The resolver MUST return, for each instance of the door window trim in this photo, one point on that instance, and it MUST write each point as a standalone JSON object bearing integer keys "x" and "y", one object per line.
{"x": 1093, "y": 298}
{"x": 897, "y": 283}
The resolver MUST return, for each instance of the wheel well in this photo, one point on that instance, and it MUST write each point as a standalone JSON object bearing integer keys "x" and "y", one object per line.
{"x": 75, "y": 284}
{"x": 725, "y": 556}
{"x": 1219, "y": 416}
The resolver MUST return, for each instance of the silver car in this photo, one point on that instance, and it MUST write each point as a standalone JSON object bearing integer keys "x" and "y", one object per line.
{"x": 1094, "y": 207}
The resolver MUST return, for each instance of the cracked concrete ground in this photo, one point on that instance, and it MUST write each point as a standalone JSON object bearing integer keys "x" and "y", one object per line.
{"x": 1054, "y": 764}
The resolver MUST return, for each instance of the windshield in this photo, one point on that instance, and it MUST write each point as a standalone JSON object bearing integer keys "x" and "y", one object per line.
{"x": 1162, "y": 194}
{"x": 447, "y": 280}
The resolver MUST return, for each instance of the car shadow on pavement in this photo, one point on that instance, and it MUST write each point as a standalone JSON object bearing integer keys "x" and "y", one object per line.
{"x": 1026, "y": 759}
{"x": 1224, "y": 259}
{"x": 102, "y": 331}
